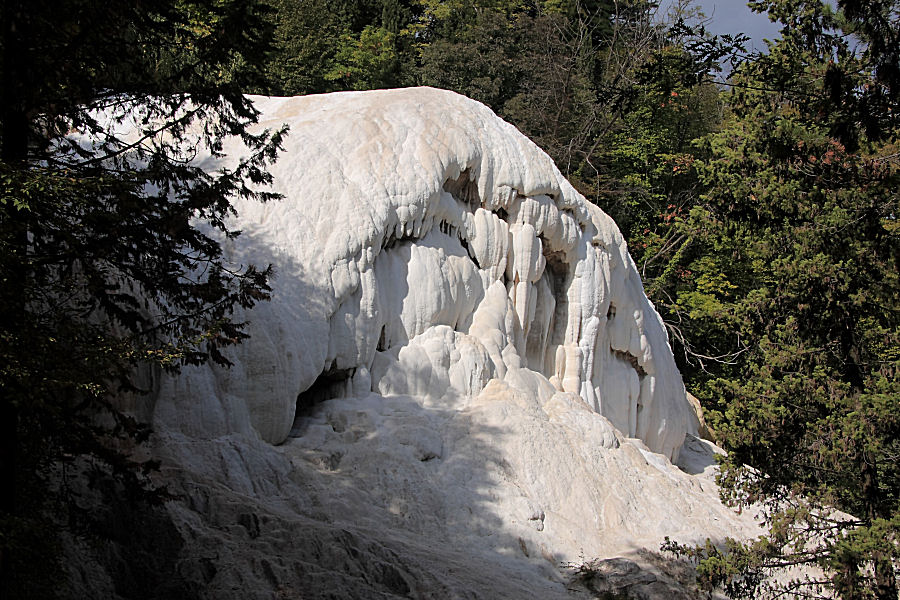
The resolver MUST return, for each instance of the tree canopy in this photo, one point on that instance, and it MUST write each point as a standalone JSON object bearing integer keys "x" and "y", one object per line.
{"x": 109, "y": 235}
{"x": 789, "y": 276}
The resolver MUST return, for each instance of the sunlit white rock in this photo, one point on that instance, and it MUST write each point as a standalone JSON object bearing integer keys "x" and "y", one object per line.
{"x": 403, "y": 211}
{"x": 458, "y": 385}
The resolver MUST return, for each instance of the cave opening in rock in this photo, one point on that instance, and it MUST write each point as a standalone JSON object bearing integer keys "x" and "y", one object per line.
{"x": 331, "y": 383}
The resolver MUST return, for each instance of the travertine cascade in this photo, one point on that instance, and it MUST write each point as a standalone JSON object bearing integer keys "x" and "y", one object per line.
{"x": 425, "y": 247}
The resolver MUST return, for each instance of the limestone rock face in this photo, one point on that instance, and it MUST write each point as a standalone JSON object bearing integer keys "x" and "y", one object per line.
{"x": 458, "y": 386}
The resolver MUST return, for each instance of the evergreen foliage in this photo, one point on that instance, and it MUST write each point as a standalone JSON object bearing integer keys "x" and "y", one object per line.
{"x": 333, "y": 45}
{"x": 109, "y": 243}
{"x": 790, "y": 279}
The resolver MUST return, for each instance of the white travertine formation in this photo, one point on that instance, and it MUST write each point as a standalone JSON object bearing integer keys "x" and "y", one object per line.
{"x": 444, "y": 396}
{"x": 424, "y": 246}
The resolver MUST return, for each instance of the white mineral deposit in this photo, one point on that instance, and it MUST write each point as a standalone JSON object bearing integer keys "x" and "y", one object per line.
{"x": 459, "y": 383}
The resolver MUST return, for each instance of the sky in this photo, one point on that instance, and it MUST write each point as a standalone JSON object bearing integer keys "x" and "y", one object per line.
{"x": 733, "y": 16}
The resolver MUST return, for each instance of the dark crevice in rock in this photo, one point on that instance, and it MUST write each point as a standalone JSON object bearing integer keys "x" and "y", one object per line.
{"x": 464, "y": 189}
{"x": 631, "y": 359}
{"x": 621, "y": 354}
{"x": 547, "y": 328}
{"x": 250, "y": 522}
{"x": 465, "y": 244}
{"x": 382, "y": 340}
{"x": 558, "y": 269}
{"x": 557, "y": 274}
{"x": 330, "y": 384}
{"x": 391, "y": 241}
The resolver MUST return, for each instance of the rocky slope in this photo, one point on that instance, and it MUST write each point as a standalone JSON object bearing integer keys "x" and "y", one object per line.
{"x": 458, "y": 387}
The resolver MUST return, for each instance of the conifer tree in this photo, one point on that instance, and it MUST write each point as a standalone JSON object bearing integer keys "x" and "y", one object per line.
{"x": 109, "y": 235}
{"x": 793, "y": 272}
